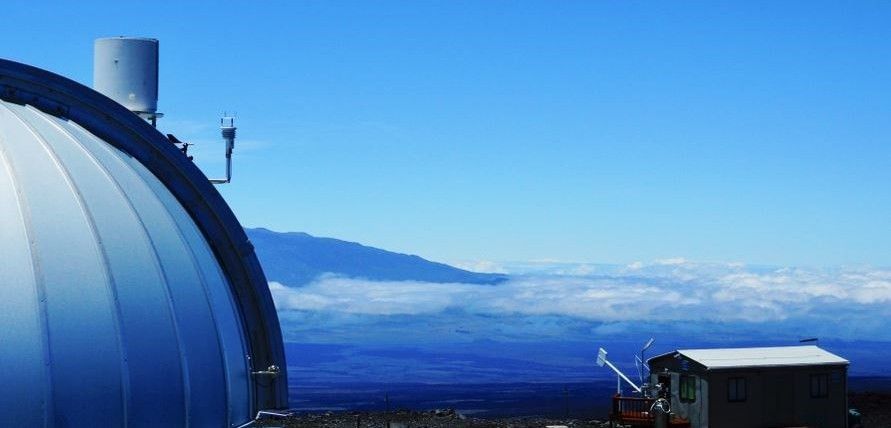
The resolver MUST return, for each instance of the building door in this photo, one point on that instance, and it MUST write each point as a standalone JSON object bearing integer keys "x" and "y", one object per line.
{"x": 665, "y": 380}
{"x": 779, "y": 400}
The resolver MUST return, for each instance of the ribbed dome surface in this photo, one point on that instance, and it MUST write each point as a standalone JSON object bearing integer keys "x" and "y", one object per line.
{"x": 114, "y": 309}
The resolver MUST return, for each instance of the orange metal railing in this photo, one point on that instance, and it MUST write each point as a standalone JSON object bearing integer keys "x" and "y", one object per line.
{"x": 634, "y": 411}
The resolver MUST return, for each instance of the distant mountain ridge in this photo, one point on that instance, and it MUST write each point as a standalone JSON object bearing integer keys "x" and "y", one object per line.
{"x": 297, "y": 258}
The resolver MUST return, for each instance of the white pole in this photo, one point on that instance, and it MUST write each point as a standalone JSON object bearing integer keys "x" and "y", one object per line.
{"x": 636, "y": 388}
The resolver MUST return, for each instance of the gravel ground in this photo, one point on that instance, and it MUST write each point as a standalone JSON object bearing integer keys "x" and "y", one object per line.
{"x": 875, "y": 408}
{"x": 444, "y": 418}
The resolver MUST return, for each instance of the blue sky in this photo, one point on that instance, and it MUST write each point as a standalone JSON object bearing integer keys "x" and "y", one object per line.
{"x": 612, "y": 132}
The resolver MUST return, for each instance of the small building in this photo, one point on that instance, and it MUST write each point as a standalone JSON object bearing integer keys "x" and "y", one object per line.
{"x": 787, "y": 386}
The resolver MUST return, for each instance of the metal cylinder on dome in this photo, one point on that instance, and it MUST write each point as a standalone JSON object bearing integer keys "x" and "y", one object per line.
{"x": 125, "y": 69}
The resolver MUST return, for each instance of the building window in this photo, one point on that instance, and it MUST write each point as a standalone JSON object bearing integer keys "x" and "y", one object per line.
{"x": 819, "y": 385}
{"x": 688, "y": 388}
{"x": 736, "y": 389}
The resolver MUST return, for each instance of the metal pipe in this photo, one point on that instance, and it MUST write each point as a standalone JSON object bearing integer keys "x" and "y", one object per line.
{"x": 610, "y": 365}
{"x": 601, "y": 360}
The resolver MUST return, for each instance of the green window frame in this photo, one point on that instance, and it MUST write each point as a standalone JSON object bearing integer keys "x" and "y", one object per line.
{"x": 687, "y": 386}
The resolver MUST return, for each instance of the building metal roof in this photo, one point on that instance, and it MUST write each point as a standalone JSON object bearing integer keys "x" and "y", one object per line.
{"x": 130, "y": 293}
{"x": 723, "y": 358}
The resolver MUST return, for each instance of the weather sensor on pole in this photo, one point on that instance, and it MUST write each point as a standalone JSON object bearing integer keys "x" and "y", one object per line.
{"x": 125, "y": 69}
{"x": 227, "y": 129}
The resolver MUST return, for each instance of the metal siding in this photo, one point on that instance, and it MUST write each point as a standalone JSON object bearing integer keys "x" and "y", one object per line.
{"x": 743, "y": 414}
{"x": 81, "y": 324}
{"x": 198, "y": 331}
{"x": 229, "y": 325}
{"x": 141, "y": 326}
{"x": 22, "y": 354}
{"x": 149, "y": 330}
{"x": 229, "y": 346}
{"x": 762, "y": 357}
{"x": 155, "y": 202}
{"x": 201, "y": 344}
{"x": 115, "y": 126}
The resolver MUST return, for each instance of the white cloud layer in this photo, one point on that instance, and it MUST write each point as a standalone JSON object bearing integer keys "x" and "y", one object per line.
{"x": 668, "y": 290}
{"x": 482, "y": 266}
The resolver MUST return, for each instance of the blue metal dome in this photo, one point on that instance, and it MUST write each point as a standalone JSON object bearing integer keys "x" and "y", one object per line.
{"x": 130, "y": 294}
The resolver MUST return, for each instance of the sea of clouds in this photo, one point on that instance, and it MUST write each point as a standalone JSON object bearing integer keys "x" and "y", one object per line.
{"x": 556, "y": 299}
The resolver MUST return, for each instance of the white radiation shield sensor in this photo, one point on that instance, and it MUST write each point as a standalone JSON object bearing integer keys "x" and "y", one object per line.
{"x": 601, "y": 357}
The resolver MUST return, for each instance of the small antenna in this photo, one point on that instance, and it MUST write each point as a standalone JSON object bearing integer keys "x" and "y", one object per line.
{"x": 813, "y": 340}
{"x": 227, "y": 129}
{"x": 639, "y": 364}
{"x": 648, "y": 344}
{"x": 642, "y": 361}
